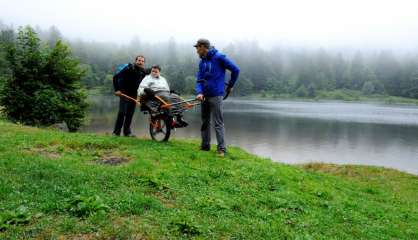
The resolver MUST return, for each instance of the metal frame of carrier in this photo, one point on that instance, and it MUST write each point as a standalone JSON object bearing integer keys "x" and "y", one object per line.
{"x": 161, "y": 120}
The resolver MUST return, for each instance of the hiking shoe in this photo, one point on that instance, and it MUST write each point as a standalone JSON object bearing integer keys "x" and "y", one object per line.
{"x": 220, "y": 153}
{"x": 182, "y": 123}
{"x": 179, "y": 123}
{"x": 206, "y": 148}
{"x": 130, "y": 135}
{"x": 116, "y": 135}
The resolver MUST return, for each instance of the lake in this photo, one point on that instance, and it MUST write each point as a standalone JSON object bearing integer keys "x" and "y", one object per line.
{"x": 299, "y": 132}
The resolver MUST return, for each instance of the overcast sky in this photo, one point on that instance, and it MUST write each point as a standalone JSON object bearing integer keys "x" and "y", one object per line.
{"x": 311, "y": 23}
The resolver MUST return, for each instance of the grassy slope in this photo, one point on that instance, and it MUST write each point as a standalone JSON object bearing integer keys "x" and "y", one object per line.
{"x": 173, "y": 191}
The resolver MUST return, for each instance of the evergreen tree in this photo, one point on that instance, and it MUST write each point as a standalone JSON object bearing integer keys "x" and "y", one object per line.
{"x": 45, "y": 85}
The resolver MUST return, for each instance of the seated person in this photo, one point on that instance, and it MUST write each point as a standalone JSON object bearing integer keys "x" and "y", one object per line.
{"x": 156, "y": 85}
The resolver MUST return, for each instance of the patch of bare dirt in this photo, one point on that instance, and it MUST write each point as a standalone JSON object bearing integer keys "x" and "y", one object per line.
{"x": 112, "y": 160}
{"x": 44, "y": 152}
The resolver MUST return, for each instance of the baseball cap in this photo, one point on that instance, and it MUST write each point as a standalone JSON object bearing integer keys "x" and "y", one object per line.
{"x": 202, "y": 41}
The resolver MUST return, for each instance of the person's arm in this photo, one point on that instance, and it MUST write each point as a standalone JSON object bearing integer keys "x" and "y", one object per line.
{"x": 116, "y": 84}
{"x": 116, "y": 80}
{"x": 231, "y": 66}
{"x": 144, "y": 84}
{"x": 199, "y": 80}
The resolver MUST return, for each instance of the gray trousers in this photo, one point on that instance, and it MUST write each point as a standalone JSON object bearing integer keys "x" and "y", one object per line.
{"x": 212, "y": 106}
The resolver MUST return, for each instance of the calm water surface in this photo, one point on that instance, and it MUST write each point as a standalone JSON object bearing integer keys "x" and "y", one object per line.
{"x": 300, "y": 132}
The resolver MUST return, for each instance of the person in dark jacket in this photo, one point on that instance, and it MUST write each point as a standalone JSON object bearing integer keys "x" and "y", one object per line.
{"x": 127, "y": 82}
{"x": 210, "y": 89}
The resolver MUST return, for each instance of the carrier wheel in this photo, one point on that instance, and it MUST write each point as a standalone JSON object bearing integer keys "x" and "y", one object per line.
{"x": 159, "y": 128}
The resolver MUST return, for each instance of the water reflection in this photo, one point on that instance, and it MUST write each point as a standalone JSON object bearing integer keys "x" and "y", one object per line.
{"x": 299, "y": 132}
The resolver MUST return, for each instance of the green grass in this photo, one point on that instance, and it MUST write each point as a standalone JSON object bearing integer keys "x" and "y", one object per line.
{"x": 54, "y": 185}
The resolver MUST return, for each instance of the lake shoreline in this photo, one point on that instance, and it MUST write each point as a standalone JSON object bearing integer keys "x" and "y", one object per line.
{"x": 296, "y": 131}
{"x": 388, "y": 101}
{"x": 380, "y": 99}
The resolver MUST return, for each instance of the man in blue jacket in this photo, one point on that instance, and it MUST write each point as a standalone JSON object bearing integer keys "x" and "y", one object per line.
{"x": 210, "y": 89}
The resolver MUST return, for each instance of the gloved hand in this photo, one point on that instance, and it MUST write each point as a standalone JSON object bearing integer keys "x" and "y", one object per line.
{"x": 149, "y": 91}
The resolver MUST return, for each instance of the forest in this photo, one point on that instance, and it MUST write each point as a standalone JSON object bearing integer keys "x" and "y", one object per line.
{"x": 275, "y": 71}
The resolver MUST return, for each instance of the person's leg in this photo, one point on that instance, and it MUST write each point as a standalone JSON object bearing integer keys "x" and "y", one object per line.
{"x": 174, "y": 98}
{"x": 130, "y": 110}
{"x": 151, "y": 105}
{"x": 205, "y": 129}
{"x": 120, "y": 117}
{"x": 177, "y": 109}
{"x": 165, "y": 95}
{"x": 218, "y": 119}
{"x": 150, "y": 101}
{"x": 169, "y": 98}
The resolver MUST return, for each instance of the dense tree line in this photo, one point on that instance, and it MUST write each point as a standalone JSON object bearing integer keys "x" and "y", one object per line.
{"x": 275, "y": 71}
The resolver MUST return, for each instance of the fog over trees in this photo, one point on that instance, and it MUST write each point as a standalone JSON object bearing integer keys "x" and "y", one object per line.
{"x": 276, "y": 71}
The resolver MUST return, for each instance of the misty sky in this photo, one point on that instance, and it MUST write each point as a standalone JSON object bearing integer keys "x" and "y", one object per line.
{"x": 314, "y": 23}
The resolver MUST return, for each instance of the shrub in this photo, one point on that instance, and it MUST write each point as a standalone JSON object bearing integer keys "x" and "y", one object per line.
{"x": 301, "y": 91}
{"x": 44, "y": 87}
{"x": 368, "y": 88}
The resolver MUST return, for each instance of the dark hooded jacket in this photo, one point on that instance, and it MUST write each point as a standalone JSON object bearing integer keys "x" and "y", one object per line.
{"x": 127, "y": 81}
